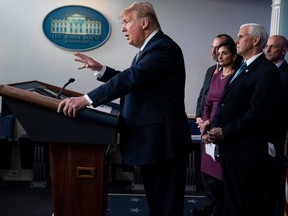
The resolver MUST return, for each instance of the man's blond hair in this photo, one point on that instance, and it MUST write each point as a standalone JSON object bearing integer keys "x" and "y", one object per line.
{"x": 143, "y": 9}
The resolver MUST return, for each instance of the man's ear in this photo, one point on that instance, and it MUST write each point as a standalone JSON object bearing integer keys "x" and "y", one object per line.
{"x": 256, "y": 40}
{"x": 145, "y": 23}
{"x": 284, "y": 51}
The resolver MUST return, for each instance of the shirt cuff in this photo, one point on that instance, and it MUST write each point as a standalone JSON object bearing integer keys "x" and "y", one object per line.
{"x": 100, "y": 73}
{"x": 88, "y": 99}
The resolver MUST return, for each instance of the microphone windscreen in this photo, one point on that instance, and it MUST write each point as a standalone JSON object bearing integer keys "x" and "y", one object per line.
{"x": 71, "y": 80}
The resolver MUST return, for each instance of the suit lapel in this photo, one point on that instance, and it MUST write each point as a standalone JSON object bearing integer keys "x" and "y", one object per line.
{"x": 134, "y": 60}
{"x": 282, "y": 66}
{"x": 249, "y": 69}
{"x": 158, "y": 35}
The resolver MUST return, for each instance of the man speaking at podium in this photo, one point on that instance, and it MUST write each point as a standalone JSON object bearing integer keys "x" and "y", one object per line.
{"x": 154, "y": 132}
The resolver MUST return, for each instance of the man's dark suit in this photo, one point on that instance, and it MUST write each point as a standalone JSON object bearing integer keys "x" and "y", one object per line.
{"x": 154, "y": 129}
{"x": 244, "y": 115}
{"x": 204, "y": 90}
{"x": 284, "y": 71}
{"x": 279, "y": 125}
{"x": 277, "y": 136}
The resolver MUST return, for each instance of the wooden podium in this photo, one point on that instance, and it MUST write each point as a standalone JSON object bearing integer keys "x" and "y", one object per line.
{"x": 77, "y": 146}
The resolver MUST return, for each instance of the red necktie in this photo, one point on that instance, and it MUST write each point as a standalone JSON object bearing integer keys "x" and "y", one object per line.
{"x": 216, "y": 69}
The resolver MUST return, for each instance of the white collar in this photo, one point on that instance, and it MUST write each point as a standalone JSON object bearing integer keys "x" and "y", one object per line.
{"x": 279, "y": 63}
{"x": 148, "y": 39}
{"x": 249, "y": 61}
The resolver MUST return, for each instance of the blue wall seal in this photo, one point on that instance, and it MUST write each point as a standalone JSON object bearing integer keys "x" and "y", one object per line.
{"x": 76, "y": 28}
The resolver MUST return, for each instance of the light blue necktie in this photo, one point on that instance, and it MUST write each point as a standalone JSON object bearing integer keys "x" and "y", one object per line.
{"x": 138, "y": 54}
{"x": 239, "y": 71}
{"x": 136, "y": 57}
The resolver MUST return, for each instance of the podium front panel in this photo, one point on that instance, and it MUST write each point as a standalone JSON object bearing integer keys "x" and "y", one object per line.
{"x": 45, "y": 125}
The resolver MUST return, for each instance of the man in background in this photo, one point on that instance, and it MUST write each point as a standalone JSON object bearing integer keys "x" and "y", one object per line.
{"x": 275, "y": 51}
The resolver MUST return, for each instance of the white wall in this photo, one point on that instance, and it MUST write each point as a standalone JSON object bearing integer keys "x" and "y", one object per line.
{"x": 26, "y": 54}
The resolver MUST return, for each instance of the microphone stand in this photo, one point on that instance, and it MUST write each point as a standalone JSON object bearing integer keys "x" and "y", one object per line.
{"x": 71, "y": 80}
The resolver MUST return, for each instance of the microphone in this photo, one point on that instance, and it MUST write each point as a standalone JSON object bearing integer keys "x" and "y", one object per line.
{"x": 71, "y": 80}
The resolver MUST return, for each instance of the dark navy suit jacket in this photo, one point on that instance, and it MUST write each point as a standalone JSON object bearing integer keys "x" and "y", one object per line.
{"x": 204, "y": 90}
{"x": 284, "y": 71}
{"x": 279, "y": 125}
{"x": 153, "y": 122}
{"x": 245, "y": 112}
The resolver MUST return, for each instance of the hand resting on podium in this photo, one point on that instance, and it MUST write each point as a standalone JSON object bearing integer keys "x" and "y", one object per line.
{"x": 70, "y": 106}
